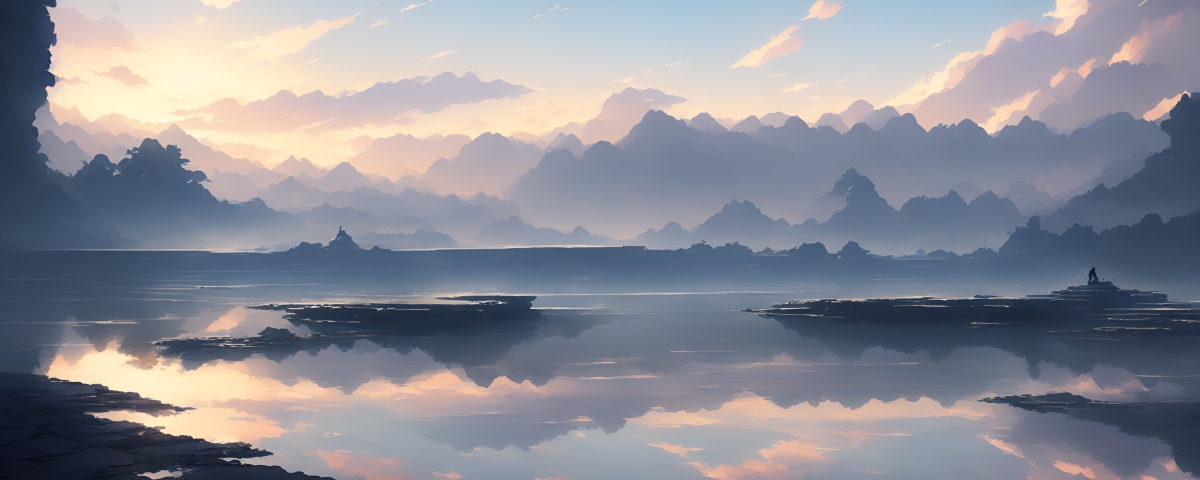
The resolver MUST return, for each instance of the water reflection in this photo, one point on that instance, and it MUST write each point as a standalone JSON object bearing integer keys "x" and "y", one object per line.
{"x": 674, "y": 386}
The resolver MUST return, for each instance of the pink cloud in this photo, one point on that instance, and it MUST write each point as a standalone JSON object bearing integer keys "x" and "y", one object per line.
{"x": 124, "y": 75}
{"x": 368, "y": 467}
{"x": 105, "y": 33}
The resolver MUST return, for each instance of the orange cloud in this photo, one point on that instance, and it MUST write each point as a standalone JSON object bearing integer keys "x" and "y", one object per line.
{"x": 1162, "y": 108}
{"x": 823, "y": 9}
{"x": 781, "y": 461}
{"x": 1133, "y": 50}
{"x": 780, "y": 45}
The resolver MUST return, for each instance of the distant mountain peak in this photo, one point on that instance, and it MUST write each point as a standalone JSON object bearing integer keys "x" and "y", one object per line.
{"x": 706, "y": 123}
{"x": 848, "y": 179}
{"x": 750, "y": 124}
{"x": 832, "y": 120}
{"x": 657, "y": 126}
{"x": 795, "y": 122}
{"x": 343, "y": 242}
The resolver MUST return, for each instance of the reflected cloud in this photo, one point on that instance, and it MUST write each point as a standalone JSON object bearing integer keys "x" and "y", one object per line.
{"x": 363, "y": 466}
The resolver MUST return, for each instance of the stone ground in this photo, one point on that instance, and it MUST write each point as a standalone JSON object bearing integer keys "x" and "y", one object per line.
{"x": 47, "y": 432}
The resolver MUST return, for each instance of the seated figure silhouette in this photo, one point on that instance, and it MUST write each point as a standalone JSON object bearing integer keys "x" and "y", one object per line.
{"x": 1092, "y": 277}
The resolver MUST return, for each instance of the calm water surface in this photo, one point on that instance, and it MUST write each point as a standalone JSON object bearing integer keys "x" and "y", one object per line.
{"x": 673, "y": 384}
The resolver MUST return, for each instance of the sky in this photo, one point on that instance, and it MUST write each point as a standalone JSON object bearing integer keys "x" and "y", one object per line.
{"x": 162, "y": 61}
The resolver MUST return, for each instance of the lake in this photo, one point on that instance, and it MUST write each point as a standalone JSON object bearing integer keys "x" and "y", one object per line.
{"x": 615, "y": 378}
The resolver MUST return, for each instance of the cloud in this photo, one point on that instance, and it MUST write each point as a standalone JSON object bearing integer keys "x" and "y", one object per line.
{"x": 675, "y": 449}
{"x": 381, "y": 22}
{"x": 104, "y": 34}
{"x": 219, "y": 3}
{"x": 1005, "y": 113}
{"x": 363, "y": 466}
{"x": 780, "y": 45}
{"x": 1067, "y": 12}
{"x": 936, "y": 45}
{"x": 1163, "y": 108}
{"x": 621, "y": 111}
{"x": 783, "y": 460}
{"x": 1133, "y": 50}
{"x": 412, "y": 6}
{"x": 1146, "y": 54}
{"x": 823, "y": 9}
{"x": 271, "y": 47}
{"x": 438, "y": 55}
{"x": 71, "y": 81}
{"x": 124, "y": 75}
{"x": 385, "y": 103}
{"x": 797, "y": 87}
{"x": 1014, "y": 31}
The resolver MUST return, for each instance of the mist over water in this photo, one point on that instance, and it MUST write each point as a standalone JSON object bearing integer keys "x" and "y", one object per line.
{"x": 670, "y": 376}
{"x": 292, "y": 239}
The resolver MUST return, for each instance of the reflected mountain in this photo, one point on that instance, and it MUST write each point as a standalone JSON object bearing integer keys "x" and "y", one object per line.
{"x": 1079, "y": 327}
{"x": 1176, "y": 423}
{"x": 474, "y": 333}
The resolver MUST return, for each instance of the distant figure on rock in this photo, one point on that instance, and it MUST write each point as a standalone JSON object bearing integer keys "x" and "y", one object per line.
{"x": 343, "y": 242}
{"x": 1092, "y": 277}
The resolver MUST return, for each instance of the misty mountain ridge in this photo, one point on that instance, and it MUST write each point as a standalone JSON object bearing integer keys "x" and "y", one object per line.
{"x": 1167, "y": 185}
{"x": 488, "y": 164}
{"x": 150, "y": 196}
{"x": 664, "y": 162}
{"x": 946, "y": 222}
{"x": 513, "y": 231}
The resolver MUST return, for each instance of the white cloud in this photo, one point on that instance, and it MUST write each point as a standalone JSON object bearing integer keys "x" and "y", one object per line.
{"x": 272, "y": 46}
{"x": 219, "y": 3}
{"x": 381, "y": 22}
{"x": 823, "y": 9}
{"x": 412, "y": 6}
{"x": 680, "y": 450}
{"x": 797, "y": 87}
{"x": 1067, "y": 12}
{"x": 780, "y": 45}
